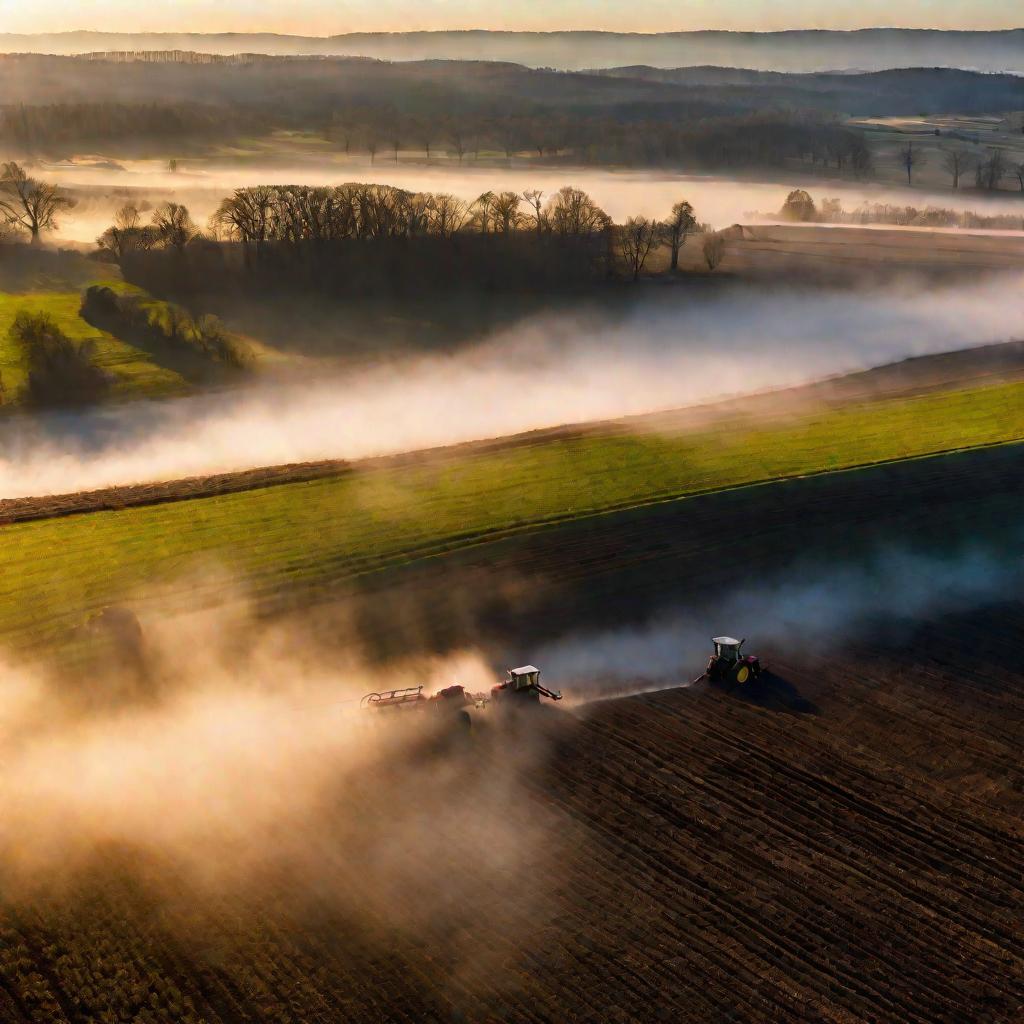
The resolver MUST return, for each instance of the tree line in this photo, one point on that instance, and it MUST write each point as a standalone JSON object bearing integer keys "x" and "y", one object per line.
{"x": 710, "y": 142}
{"x": 801, "y": 207}
{"x": 53, "y": 127}
{"x": 356, "y": 235}
{"x": 990, "y": 168}
{"x": 378, "y": 132}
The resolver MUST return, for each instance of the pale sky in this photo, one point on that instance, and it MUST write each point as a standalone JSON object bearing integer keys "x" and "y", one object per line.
{"x": 326, "y": 17}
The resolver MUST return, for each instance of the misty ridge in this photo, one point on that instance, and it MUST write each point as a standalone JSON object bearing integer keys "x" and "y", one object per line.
{"x": 575, "y": 366}
{"x": 694, "y": 118}
{"x": 794, "y": 51}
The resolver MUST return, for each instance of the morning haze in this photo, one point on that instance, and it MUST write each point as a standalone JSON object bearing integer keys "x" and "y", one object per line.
{"x": 511, "y": 525}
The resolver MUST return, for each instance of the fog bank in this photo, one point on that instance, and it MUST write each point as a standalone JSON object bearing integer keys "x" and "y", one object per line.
{"x": 549, "y": 370}
{"x": 718, "y": 201}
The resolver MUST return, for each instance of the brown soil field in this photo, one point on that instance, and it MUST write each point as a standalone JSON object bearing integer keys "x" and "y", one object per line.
{"x": 843, "y": 254}
{"x": 843, "y": 844}
{"x": 698, "y": 857}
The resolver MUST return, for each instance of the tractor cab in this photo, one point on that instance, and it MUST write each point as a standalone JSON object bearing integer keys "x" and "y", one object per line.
{"x": 727, "y": 648}
{"x": 524, "y": 678}
{"x": 729, "y": 665}
{"x": 524, "y": 684}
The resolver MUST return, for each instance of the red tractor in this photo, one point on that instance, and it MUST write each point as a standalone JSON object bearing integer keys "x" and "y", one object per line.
{"x": 729, "y": 665}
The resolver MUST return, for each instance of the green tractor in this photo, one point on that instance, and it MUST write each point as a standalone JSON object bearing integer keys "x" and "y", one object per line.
{"x": 729, "y": 665}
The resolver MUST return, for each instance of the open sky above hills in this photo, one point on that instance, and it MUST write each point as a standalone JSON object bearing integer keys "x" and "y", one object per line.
{"x": 322, "y": 17}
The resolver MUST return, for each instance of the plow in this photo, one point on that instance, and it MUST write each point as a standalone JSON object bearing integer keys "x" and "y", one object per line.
{"x": 521, "y": 688}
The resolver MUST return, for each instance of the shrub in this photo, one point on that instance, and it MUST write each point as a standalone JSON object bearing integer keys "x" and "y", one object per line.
{"x": 60, "y": 371}
{"x": 163, "y": 323}
{"x": 713, "y": 250}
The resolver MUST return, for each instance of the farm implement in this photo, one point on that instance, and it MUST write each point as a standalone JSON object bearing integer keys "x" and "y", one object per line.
{"x": 521, "y": 688}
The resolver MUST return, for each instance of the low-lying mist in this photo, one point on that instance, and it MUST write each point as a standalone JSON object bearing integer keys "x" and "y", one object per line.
{"x": 718, "y": 201}
{"x": 677, "y": 348}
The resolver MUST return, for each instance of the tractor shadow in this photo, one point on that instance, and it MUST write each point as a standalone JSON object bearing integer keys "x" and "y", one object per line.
{"x": 771, "y": 692}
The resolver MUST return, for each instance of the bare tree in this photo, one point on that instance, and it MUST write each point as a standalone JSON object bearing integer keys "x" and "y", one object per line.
{"x": 483, "y": 211}
{"x": 30, "y": 204}
{"x": 505, "y": 207}
{"x": 247, "y": 215}
{"x": 446, "y": 215}
{"x": 396, "y": 132}
{"x": 911, "y": 158}
{"x": 510, "y": 137}
{"x": 713, "y": 249}
{"x": 426, "y": 137}
{"x": 956, "y": 162}
{"x": 636, "y": 238}
{"x": 534, "y": 198}
{"x": 127, "y": 234}
{"x": 458, "y": 140}
{"x": 1018, "y": 173}
{"x": 174, "y": 225}
{"x": 676, "y": 228}
{"x": 342, "y": 127}
{"x": 989, "y": 173}
{"x": 571, "y": 212}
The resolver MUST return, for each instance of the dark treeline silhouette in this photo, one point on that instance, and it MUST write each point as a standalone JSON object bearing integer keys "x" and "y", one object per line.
{"x": 367, "y": 239}
{"x": 50, "y": 128}
{"x": 724, "y": 143}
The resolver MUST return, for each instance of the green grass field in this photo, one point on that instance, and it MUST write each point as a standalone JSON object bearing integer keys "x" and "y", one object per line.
{"x": 308, "y": 536}
{"x": 41, "y": 280}
{"x": 53, "y": 282}
{"x": 134, "y": 372}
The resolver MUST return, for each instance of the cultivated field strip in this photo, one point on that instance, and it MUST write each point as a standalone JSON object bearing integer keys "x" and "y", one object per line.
{"x": 709, "y": 858}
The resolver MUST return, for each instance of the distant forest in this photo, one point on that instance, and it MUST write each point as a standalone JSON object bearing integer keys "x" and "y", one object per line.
{"x": 704, "y": 118}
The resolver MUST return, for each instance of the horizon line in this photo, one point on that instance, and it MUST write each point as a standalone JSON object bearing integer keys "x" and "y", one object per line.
{"x": 507, "y": 31}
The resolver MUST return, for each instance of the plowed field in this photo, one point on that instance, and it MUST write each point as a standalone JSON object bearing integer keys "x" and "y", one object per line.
{"x": 682, "y": 855}
{"x": 696, "y": 857}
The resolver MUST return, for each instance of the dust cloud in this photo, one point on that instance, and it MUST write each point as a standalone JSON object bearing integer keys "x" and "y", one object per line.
{"x": 801, "y": 613}
{"x": 246, "y": 768}
{"x": 546, "y": 371}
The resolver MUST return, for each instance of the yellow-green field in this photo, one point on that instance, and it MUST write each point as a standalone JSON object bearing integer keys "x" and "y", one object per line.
{"x": 134, "y": 371}
{"x": 307, "y": 537}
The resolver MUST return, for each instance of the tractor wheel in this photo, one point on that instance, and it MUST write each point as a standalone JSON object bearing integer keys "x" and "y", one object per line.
{"x": 742, "y": 673}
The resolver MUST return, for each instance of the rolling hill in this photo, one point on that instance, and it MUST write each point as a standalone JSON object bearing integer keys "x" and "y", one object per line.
{"x": 799, "y": 50}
